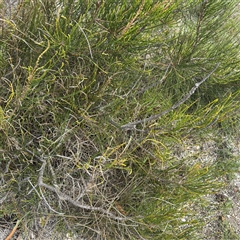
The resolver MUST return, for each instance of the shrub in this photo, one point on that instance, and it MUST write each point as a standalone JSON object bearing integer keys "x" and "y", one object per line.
{"x": 97, "y": 96}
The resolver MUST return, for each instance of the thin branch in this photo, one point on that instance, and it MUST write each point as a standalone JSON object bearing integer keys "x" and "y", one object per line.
{"x": 129, "y": 25}
{"x": 45, "y": 200}
{"x": 132, "y": 125}
{"x": 4, "y": 198}
{"x": 199, "y": 23}
{"x": 33, "y": 188}
{"x": 9, "y": 237}
{"x": 89, "y": 46}
{"x": 63, "y": 196}
{"x": 13, "y": 70}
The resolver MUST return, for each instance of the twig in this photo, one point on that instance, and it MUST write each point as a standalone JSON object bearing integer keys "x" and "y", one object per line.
{"x": 33, "y": 188}
{"x": 199, "y": 23}
{"x": 129, "y": 25}
{"x": 63, "y": 196}
{"x": 45, "y": 200}
{"x": 13, "y": 70}
{"x": 132, "y": 125}
{"x": 13, "y": 231}
{"x": 89, "y": 46}
{"x": 4, "y": 198}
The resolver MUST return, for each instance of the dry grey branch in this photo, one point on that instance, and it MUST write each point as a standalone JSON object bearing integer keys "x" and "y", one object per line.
{"x": 65, "y": 197}
{"x": 13, "y": 69}
{"x": 89, "y": 46}
{"x": 132, "y": 125}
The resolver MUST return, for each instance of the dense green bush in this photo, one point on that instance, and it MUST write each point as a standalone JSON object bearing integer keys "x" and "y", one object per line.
{"x": 96, "y": 96}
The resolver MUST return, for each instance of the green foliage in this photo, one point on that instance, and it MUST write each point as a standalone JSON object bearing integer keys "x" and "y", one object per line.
{"x": 74, "y": 72}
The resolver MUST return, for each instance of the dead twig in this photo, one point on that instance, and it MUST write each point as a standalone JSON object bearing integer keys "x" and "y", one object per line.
{"x": 65, "y": 197}
{"x": 13, "y": 70}
{"x": 132, "y": 125}
{"x": 13, "y": 231}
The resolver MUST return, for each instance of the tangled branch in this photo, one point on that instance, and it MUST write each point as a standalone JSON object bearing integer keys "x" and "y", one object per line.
{"x": 65, "y": 197}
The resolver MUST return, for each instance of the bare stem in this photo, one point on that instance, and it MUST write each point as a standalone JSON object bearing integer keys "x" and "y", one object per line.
{"x": 132, "y": 125}
{"x": 65, "y": 197}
